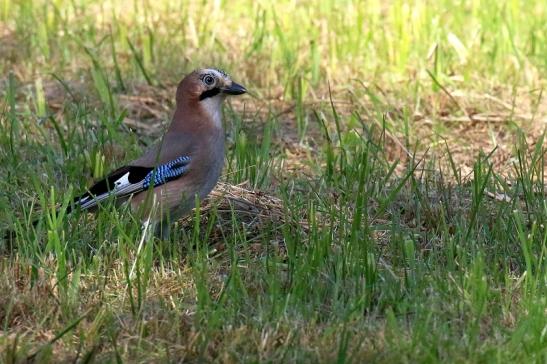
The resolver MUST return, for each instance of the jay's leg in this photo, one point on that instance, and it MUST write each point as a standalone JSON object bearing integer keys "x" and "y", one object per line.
{"x": 163, "y": 230}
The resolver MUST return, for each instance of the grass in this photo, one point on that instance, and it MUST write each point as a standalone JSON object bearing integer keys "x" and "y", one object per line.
{"x": 395, "y": 153}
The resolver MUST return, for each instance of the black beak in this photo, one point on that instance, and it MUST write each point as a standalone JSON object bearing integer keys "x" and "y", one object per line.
{"x": 234, "y": 89}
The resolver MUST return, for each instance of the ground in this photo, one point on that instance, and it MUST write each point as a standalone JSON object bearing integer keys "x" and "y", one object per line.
{"x": 383, "y": 198}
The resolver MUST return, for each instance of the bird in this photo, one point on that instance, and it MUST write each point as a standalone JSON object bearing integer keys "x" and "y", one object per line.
{"x": 184, "y": 165}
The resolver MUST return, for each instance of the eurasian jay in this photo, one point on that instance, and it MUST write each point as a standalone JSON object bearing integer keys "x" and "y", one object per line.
{"x": 186, "y": 163}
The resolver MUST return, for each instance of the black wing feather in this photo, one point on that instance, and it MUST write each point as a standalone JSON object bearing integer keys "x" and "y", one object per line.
{"x": 106, "y": 185}
{"x": 136, "y": 174}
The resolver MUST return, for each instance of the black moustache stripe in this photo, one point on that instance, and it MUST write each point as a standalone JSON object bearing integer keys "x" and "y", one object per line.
{"x": 209, "y": 93}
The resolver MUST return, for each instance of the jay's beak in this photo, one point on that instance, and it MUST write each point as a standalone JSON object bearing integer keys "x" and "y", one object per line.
{"x": 234, "y": 89}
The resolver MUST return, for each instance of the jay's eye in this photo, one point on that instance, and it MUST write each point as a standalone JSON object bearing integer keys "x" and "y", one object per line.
{"x": 208, "y": 80}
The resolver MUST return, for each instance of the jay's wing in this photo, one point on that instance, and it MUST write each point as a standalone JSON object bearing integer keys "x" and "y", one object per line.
{"x": 132, "y": 179}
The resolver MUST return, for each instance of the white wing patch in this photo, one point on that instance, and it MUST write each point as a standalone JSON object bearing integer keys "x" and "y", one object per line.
{"x": 122, "y": 181}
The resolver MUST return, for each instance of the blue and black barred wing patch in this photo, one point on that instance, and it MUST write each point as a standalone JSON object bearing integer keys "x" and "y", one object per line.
{"x": 166, "y": 172}
{"x": 132, "y": 179}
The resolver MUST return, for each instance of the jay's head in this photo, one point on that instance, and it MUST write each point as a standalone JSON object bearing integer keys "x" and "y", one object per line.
{"x": 207, "y": 86}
